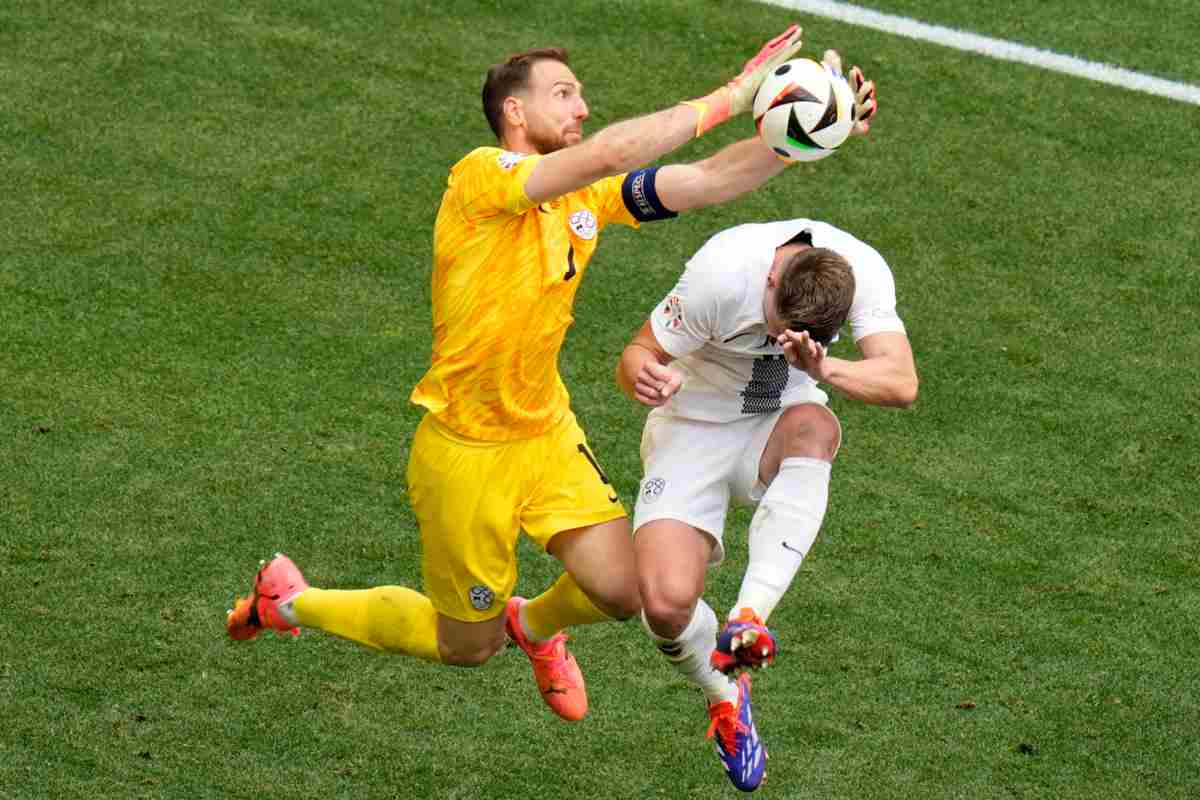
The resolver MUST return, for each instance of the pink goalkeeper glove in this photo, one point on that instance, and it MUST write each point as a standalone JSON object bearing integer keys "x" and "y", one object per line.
{"x": 737, "y": 96}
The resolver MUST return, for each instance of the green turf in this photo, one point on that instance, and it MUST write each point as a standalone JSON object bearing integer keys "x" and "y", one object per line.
{"x": 214, "y": 301}
{"x": 1154, "y": 36}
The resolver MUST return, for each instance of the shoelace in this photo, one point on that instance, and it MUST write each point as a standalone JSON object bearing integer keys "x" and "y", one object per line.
{"x": 728, "y": 731}
{"x": 553, "y": 653}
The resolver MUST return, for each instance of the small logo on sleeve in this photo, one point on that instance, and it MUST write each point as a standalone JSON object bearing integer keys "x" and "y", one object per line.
{"x": 508, "y": 159}
{"x": 673, "y": 309}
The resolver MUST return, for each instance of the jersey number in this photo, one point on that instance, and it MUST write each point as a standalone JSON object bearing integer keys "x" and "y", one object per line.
{"x": 767, "y": 382}
{"x": 571, "y": 274}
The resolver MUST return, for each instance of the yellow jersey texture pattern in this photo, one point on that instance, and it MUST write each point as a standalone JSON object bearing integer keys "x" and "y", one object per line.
{"x": 505, "y": 273}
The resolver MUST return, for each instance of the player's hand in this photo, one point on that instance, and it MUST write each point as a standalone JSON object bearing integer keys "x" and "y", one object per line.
{"x": 803, "y": 353}
{"x": 743, "y": 88}
{"x": 655, "y": 383}
{"x": 865, "y": 102}
{"x": 737, "y": 96}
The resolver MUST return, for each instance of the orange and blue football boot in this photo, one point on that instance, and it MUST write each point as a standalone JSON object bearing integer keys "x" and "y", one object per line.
{"x": 744, "y": 642}
{"x": 742, "y": 753}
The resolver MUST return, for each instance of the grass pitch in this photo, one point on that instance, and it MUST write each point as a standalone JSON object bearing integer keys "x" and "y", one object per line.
{"x": 214, "y": 302}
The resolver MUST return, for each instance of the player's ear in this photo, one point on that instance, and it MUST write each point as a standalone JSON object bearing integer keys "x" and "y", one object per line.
{"x": 514, "y": 111}
{"x": 773, "y": 276}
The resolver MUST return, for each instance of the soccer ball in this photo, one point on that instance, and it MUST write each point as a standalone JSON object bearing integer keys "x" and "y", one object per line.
{"x": 804, "y": 110}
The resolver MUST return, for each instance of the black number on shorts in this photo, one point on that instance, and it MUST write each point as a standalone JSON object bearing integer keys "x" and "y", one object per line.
{"x": 571, "y": 274}
{"x": 592, "y": 460}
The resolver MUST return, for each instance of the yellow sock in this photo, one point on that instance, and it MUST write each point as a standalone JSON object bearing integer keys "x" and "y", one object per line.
{"x": 562, "y": 605}
{"x": 390, "y": 618}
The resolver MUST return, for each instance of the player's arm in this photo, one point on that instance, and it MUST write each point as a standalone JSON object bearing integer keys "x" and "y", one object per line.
{"x": 730, "y": 172}
{"x": 746, "y": 165}
{"x": 627, "y": 145}
{"x": 886, "y": 375}
{"x": 643, "y": 372}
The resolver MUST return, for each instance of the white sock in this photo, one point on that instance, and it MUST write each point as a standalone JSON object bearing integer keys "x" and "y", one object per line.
{"x": 690, "y": 651}
{"x": 781, "y": 532}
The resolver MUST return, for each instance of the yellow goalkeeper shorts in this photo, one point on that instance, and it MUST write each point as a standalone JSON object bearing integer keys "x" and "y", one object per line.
{"x": 472, "y": 499}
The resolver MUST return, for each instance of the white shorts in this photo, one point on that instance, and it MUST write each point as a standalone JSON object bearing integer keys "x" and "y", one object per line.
{"x": 692, "y": 469}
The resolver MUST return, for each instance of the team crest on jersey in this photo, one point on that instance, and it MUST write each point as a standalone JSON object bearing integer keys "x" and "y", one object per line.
{"x": 584, "y": 224}
{"x": 652, "y": 489}
{"x": 508, "y": 159}
{"x": 481, "y": 597}
{"x": 673, "y": 309}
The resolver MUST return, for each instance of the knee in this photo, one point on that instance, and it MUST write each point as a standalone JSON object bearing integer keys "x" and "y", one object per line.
{"x": 810, "y": 431}
{"x": 668, "y": 608}
{"x": 470, "y": 654}
{"x": 623, "y": 602}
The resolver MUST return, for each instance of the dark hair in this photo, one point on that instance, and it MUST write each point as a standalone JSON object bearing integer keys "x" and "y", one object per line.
{"x": 816, "y": 288}
{"x": 509, "y": 76}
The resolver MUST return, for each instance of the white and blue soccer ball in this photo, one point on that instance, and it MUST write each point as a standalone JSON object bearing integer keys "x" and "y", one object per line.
{"x": 804, "y": 110}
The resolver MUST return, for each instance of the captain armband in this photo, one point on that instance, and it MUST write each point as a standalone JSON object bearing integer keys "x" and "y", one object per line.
{"x": 641, "y": 198}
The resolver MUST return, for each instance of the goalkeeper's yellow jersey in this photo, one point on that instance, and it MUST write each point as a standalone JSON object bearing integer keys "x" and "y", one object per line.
{"x": 505, "y": 272}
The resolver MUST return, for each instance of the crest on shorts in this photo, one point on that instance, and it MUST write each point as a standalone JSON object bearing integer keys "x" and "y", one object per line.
{"x": 652, "y": 489}
{"x": 584, "y": 224}
{"x": 481, "y": 597}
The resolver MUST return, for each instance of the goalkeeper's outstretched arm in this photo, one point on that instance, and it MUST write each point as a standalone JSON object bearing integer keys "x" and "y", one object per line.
{"x": 627, "y": 145}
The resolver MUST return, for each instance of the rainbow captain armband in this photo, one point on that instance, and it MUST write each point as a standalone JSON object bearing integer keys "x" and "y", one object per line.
{"x": 641, "y": 198}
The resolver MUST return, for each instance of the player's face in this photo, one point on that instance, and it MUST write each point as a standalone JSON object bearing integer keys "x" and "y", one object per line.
{"x": 775, "y": 325}
{"x": 554, "y": 107}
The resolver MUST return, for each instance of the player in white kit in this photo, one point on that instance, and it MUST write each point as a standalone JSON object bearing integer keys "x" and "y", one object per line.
{"x": 730, "y": 362}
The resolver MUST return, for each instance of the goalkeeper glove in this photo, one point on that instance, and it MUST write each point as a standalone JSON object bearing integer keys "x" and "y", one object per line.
{"x": 865, "y": 102}
{"x": 737, "y": 96}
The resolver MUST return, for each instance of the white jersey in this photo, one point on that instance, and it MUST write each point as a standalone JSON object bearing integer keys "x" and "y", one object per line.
{"x": 712, "y": 321}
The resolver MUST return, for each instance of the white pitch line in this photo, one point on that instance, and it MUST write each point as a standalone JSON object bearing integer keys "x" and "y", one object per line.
{"x": 995, "y": 48}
